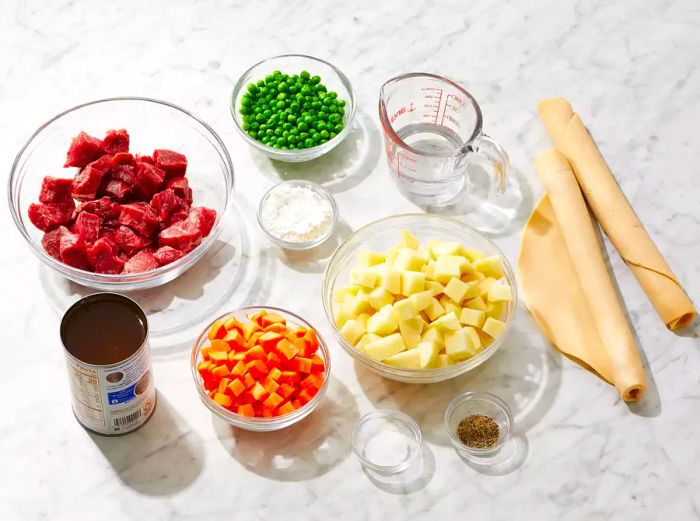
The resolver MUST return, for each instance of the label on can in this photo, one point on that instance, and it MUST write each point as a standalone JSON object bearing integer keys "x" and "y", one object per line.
{"x": 113, "y": 399}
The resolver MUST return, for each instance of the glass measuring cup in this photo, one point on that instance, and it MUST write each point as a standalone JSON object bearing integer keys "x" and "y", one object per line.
{"x": 432, "y": 133}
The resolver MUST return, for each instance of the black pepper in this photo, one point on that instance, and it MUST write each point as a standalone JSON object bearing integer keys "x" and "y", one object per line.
{"x": 478, "y": 431}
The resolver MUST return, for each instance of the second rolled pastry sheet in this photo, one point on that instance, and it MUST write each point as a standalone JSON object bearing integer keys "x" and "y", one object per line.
{"x": 599, "y": 335}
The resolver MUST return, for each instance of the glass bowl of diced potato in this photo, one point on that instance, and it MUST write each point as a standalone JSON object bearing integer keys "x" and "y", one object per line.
{"x": 419, "y": 298}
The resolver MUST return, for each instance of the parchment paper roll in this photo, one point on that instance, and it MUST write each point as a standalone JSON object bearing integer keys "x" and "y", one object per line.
{"x": 615, "y": 215}
{"x": 591, "y": 275}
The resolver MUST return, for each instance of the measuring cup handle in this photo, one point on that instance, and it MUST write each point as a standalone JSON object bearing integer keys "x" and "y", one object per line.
{"x": 488, "y": 148}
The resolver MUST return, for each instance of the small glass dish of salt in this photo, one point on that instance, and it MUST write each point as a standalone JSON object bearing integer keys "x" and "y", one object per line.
{"x": 297, "y": 215}
{"x": 386, "y": 441}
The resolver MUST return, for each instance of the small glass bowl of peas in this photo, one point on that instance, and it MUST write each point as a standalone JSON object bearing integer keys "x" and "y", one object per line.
{"x": 293, "y": 107}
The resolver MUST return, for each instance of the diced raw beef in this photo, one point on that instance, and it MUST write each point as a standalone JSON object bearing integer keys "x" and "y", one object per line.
{"x": 72, "y": 251}
{"x": 142, "y": 261}
{"x": 165, "y": 202}
{"x": 116, "y": 188}
{"x": 172, "y": 163}
{"x": 145, "y": 159}
{"x": 184, "y": 236}
{"x": 203, "y": 218}
{"x": 51, "y": 241}
{"x": 124, "y": 168}
{"x": 181, "y": 187}
{"x": 175, "y": 217}
{"x": 103, "y": 207}
{"x": 87, "y": 225}
{"x": 129, "y": 241}
{"x": 102, "y": 258}
{"x": 165, "y": 255}
{"x": 140, "y": 217}
{"x": 87, "y": 182}
{"x": 55, "y": 190}
{"x": 149, "y": 179}
{"x": 83, "y": 149}
{"x": 108, "y": 235}
{"x": 46, "y": 217}
{"x": 116, "y": 141}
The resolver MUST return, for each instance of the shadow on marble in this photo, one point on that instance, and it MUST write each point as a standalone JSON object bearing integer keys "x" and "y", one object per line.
{"x": 520, "y": 448}
{"x": 162, "y": 457}
{"x": 314, "y": 260}
{"x": 493, "y": 215}
{"x": 525, "y": 375}
{"x": 305, "y": 450}
{"x": 339, "y": 170}
{"x": 692, "y": 331}
{"x": 413, "y": 479}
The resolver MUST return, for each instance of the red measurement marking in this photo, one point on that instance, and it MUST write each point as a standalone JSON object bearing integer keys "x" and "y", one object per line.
{"x": 437, "y": 107}
{"x": 447, "y": 103}
{"x": 401, "y": 111}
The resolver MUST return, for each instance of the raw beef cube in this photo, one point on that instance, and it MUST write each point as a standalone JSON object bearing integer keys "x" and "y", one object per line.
{"x": 129, "y": 241}
{"x": 145, "y": 159}
{"x": 51, "y": 241}
{"x": 165, "y": 255}
{"x": 175, "y": 217}
{"x": 124, "y": 168}
{"x": 148, "y": 180}
{"x": 165, "y": 202}
{"x": 83, "y": 149}
{"x": 142, "y": 261}
{"x": 172, "y": 163}
{"x": 46, "y": 217}
{"x": 181, "y": 187}
{"x": 87, "y": 225}
{"x": 116, "y": 188}
{"x": 183, "y": 236}
{"x": 203, "y": 219}
{"x": 108, "y": 235}
{"x": 103, "y": 207}
{"x": 103, "y": 259}
{"x": 140, "y": 217}
{"x": 55, "y": 190}
{"x": 116, "y": 141}
{"x": 87, "y": 182}
{"x": 72, "y": 251}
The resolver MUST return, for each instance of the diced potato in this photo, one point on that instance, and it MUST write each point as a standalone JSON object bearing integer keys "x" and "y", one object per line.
{"x": 340, "y": 294}
{"x": 476, "y": 303}
{"x": 485, "y": 285}
{"x": 383, "y": 322}
{"x": 408, "y": 260}
{"x": 352, "y": 331}
{"x": 369, "y": 258}
{"x": 440, "y": 248}
{"x": 410, "y": 332}
{"x": 443, "y": 360}
{"x": 435, "y": 309}
{"x": 490, "y": 266}
{"x": 363, "y": 319}
{"x": 486, "y": 340}
{"x": 447, "y": 322}
{"x": 385, "y": 347}
{"x": 458, "y": 345}
{"x": 435, "y": 287}
{"x": 409, "y": 240}
{"x": 358, "y": 304}
{"x": 412, "y": 282}
{"x": 472, "y": 254}
{"x": 390, "y": 280}
{"x": 460, "y": 291}
{"x": 450, "y": 305}
{"x": 472, "y": 317}
{"x": 474, "y": 276}
{"x": 500, "y": 293}
{"x": 423, "y": 252}
{"x": 493, "y": 327}
{"x": 473, "y": 337}
{"x": 495, "y": 309}
{"x": 429, "y": 352}
{"x": 408, "y": 359}
{"x": 340, "y": 316}
{"x": 404, "y": 309}
{"x": 448, "y": 267}
{"x": 429, "y": 270}
{"x": 421, "y": 300}
{"x": 366, "y": 339}
{"x": 391, "y": 253}
{"x": 433, "y": 334}
{"x": 380, "y": 297}
{"x": 367, "y": 278}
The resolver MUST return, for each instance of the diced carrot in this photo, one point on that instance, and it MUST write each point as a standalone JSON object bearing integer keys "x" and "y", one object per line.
{"x": 304, "y": 364}
{"x": 286, "y": 408}
{"x": 235, "y": 340}
{"x": 276, "y": 328}
{"x": 273, "y": 359}
{"x": 258, "y": 369}
{"x": 233, "y": 323}
{"x": 285, "y": 390}
{"x": 257, "y": 317}
{"x": 219, "y": 356}
{"x": 312, "y": 380}
{"x": 218, "y": 345}
{"x": 270, "y": 384}
{"x": 212, "y": 394}
{"x": 205, "y": 352}
{"x": 235, "y": 357}
{"x": 299, "y": 331}
{"x": 249, "y": 328}
{"x": 287, "y": 349}
{"x": 204, "y": 366}
{"x": 240, "y": 369}
{"x": 267, "y": 412}
{"x": 248, "y": 381}
{"x": 274, "y": 373}
{"x": 236, "y": 387}
{"x": 289, "y": 377}
{"x": 317, "y": 364}
{"x": 297, "y": 403}
{"x": 217, "y": 330}
{"x": 246, "y": 410}
{"x": 304, "y": 396}
{"x": 258, "y": 392}
{"x": 245, "y": 397}
{"x": 272, "y": 318}
{"x": 273, "y": 400}
{"x": 221, "y": 371}
{"x": 269, "y": 340}
{"x": 255, "y": 353}
{"x": 222, "y": 385}
{"x": 223, "y": 400}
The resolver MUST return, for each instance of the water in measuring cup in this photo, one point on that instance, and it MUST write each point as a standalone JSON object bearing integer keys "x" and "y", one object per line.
{"x": 430, "y": 138}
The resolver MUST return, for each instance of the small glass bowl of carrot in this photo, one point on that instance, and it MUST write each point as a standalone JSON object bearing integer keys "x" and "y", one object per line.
{"x": 260, "y": 368}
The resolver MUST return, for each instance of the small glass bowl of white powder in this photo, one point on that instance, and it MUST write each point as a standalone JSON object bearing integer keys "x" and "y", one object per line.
{"x": 297, "y": 215}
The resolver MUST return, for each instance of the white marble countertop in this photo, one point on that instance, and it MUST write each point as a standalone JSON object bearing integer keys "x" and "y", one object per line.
{"x": 630, "y": 69}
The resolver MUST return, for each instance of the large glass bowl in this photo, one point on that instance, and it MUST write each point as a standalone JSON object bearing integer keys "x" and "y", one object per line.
{"x": 151, "y": 124}
{"x": 379, "y": 236}
{"x": 255, "y": 423}
{"x": 331, "y": 77}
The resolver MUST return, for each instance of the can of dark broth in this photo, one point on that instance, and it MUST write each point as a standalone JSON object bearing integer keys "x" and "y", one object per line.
{"x": 105, "y": 340}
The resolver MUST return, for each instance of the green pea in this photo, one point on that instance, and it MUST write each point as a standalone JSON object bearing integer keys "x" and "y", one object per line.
{"x": 338, "y": 127}
{"x": 304, "y": 75}
{"x": 282, "y": 95}
{"x": 320, "y": 88}
{"x": 246, "y": 126}
{"x": 315, "y": 79}
{"x": 276, "y": 146}
{"x": 303, "y": 135}
{"x": 269, "y": 132}
{"x": 316, "y": 136}
{"x": 295, "y": 107}
{"x": 333, "y": 94}
{"x": 244, "y": 110}
{"x": 322, "y": 115}
{"x": 246, "y": 100}
{"x": 323, "y": 141}
{"x": 284, "y": 147}
{"x": 324, "y": 134}
{"x": 294, "y": 131}
{"x": 291, "y": 118}
{"x": 281, "y": 104}
{"x": 285, "y": 133}
{"x": 341, "y": 102}
{"x": 293, "y": 89}
{"x": 292, "y": 139}
{"x": 283, "y": 87}
{"x": 252, "y": 88}
{"x": 259, "y": 117}
{"x": 308, "y": 143}
{"x": 302, "y": 126}
{"x": 281, "y": 141}
{"x": 308, "y": 120}
{"x": 332, "y": 134}
{"x": 254, "y": 126}
{"x": 305, "y": 90}
{"x": 334, "y": 118}
{"x": 287, "y": 126}
{"x": 253, "y": 134}
{"x": 321, "y": 126}
{"x": 278, "y": 131}
{"x": 267, "y": 113}
{"x": 269, "y": 78}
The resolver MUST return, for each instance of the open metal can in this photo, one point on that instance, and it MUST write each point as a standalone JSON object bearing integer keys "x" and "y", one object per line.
{"x": 105, "y": 339}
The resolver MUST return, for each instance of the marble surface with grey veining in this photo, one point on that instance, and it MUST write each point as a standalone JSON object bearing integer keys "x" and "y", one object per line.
{"x": 630, "y": 69}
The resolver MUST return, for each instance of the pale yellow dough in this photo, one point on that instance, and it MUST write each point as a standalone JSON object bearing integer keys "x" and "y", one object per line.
{"x": 615, "y": 215}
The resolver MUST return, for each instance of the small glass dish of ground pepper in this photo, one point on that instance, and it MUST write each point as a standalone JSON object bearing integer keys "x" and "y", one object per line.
{"x": 479, "y": 425}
